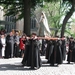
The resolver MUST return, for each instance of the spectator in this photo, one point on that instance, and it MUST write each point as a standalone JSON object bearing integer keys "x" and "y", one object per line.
{"x": 22, "y": 44}
{"x": 3, "y": 42}
{"x": 16, "y": 44}
{"x": 9, "y": 45}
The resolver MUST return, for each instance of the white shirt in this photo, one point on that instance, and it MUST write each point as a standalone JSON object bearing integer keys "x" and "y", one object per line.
{"x": 3, "y": 40}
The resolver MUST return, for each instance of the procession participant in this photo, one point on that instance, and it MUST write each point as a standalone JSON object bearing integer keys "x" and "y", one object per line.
{"x": 63, "y": 48}
{"x": 74, "y": 51}
{"x": 32, "y": 54}
{"x": 53, "y": 51}
{"x": 50, "y": 45}
{"x": 49, "y": 49}
{"x": 70, "y": 51}
{"x": 44, "y": 46}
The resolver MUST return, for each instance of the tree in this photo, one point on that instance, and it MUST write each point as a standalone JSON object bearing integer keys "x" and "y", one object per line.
{"x": 23, "y": 7}
{"x": 54, "y": 16}
{"x": 68, "y": 15}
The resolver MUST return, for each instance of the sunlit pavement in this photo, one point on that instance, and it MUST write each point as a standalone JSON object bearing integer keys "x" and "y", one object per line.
{"x": 13, "y": 66}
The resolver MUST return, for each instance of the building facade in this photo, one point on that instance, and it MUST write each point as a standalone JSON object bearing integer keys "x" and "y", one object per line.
{"x": 10, "y": 23}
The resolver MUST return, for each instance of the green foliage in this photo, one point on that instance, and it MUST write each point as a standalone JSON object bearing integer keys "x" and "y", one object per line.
{"x": 13, "y": 7}
{"x": 16, "y": 7}
{"x": 71, "y": 1}
{"x": 69, "y": 33}
{"x": 52, "y": 0}
{"x": 70, "y": 4}
{"x": 53, "y": 15}
{"x": 2, "y": 27}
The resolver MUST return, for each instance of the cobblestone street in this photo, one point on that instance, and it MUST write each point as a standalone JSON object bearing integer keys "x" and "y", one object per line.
{"x": 13, "y": 66}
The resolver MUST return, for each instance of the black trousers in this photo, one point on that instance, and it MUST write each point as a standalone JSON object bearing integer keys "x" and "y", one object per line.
{"x": 16, "y": 50}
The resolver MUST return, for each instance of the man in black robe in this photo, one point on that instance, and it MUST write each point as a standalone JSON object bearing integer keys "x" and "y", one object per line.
{"x": 32, "y": 53}
{"x": 55, "y": 54}
{"x": 63, "y": 48}
{"x": 71, "y": 50}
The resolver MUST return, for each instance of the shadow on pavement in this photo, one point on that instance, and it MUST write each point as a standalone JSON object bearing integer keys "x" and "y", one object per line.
{"x": 5, "y": 67}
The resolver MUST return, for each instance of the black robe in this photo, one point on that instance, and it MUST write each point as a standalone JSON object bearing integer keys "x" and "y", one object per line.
{"x": 63, "y": 49}
{"x": 16, "y": 46}
{"x": 9, "y": 46}
{"x": 74, "y": 51}
{"x": 1, "y": 48}
{"x": 55, "y": 54}
{"x": 71, "y": 52}
{"x": 49, "y": 49}
{"x": 32, "y": 54}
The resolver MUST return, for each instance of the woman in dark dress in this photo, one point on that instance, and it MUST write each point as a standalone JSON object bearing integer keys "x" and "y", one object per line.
{"x": 9, "y": 49}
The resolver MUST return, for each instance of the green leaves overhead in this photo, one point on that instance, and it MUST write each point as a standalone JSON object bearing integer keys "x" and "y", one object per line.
{"x": 13, "y": 7}
{"x": 68, "y": 1}
{"x": 51, "y": 0}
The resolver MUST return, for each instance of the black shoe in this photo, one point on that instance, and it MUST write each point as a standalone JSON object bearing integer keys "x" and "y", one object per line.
{"x": 51, "y": 64}
{"x": 68, "y": 63}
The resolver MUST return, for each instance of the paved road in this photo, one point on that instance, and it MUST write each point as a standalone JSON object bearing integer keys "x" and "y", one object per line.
{"x": 13, "y": 66}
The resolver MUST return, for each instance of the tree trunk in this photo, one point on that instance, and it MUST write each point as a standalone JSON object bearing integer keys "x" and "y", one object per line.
{"x": 27, "y": 24}
{"x": 69, "y": 14}
{"x": 56, "y": 33}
